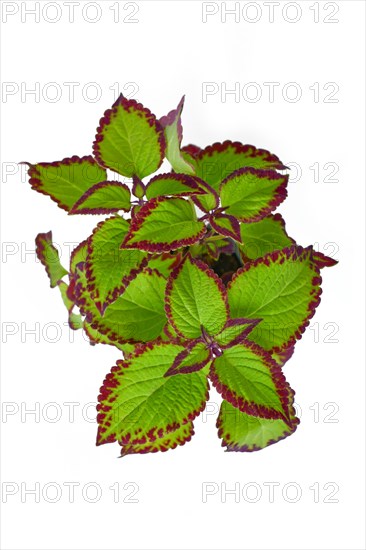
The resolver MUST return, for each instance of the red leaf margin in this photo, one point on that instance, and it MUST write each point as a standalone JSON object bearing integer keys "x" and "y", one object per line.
{"x": 158, "y": 445}
{"x": 220, "y": 147}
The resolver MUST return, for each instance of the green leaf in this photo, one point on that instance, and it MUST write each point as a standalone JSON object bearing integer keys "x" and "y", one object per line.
{"x": 260, "y": 238}
{"x": 138, "y": 313}
{"x": 193, "y": 358}
{"x": 168, "y": 440}
{"x": 129, "y": 140}
{"x": 196, "y": 300}
{"x": 105, "y": 197}
{"x": 65, "y": 181}
{"x": 173, "y": 184}
{"x": 281, "y": 288}
{"x": 173, "y": 135}
{"x": 107, "y": 265}
{"x": 49, "y": 258}
{"x": 217, "y": 161}
{"x": 250, "y": 194}
{"x": 249, "y": 379}
{"x": 137, "y": 403}
{"x": 242, "y": 432}
{"x": 164, "y": 224}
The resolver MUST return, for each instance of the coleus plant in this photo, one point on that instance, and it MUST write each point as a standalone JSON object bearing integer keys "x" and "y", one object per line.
{"x": 190, "y": 277}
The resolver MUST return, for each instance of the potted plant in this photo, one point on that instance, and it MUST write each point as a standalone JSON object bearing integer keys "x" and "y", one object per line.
{"x": 191, "y": 277}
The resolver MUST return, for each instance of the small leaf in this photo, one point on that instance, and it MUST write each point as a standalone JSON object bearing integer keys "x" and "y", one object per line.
{"x": 226, "y": 225}
{"x": 217, "y": 161}
{"x": 321, "y": 260}
{"x": 168, "y": 440}
{"x": 195, "y": 299}
{"x": 213, "y": 249}
{"x": 195, "y": 357}
{"x": 137, "y": 404}
{"x": 49, "y": 258}
{"x": 107, "y": 265}
{"x": 235, "y": 331}
{"x": 251, "y": 194}
{"x": 105, "y": 197}
{"x": 242, "y": 432}
{"x": 260, "y": 238}
{"x": 75, "y": 320}
{"x": 173, "y": 135}
{"x": 164, "y": 224}
{"x": 138, "y": 313}
{"x": 281, "y": 288}
{"x": 189, "y": 153}
{"x": 251, "y": 381}
{"x": 209, "y": 201}
{"x": 173, "y": 184}
{"x": 65, "y": 181}
{"x": 165, "y": 262}
{"x": 138, "y": 188}
{"x": 129, "y": 140}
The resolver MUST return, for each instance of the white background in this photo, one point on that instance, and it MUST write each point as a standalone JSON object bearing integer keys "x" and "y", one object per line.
{"x": 168, "y": 52}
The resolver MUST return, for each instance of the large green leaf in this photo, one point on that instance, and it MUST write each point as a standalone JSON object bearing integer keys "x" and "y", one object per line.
{"x": 138, "y": 404}
{"x": 107, "y": 265}
{"x": 65, "y": 181}
{"x": 260, "y": 238}
{"x": 138, "y": 313}
{"x": 281, "y": 288}
{"x": 245, "y": 433}
{"x": 249, "y": 379}
{"x": 129, "y": 140}
{"x": 49, "y": 257}
{"x": 104, "y": 198}
{"x": 196, "y": 299}
{"x": 164, "y": 224}
{"x": 217, "y": 161}
{"x": 173, "y": 135}
{"x": 250, "y": 194}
